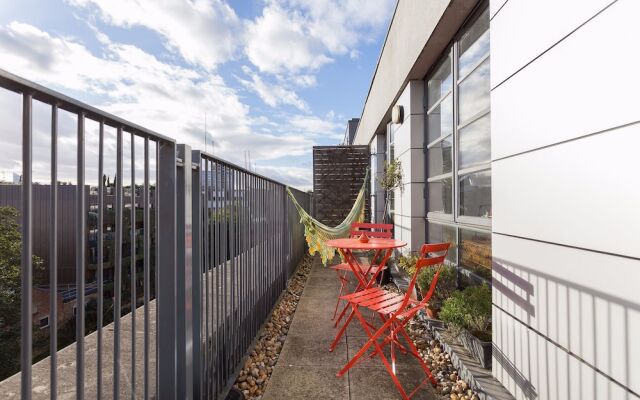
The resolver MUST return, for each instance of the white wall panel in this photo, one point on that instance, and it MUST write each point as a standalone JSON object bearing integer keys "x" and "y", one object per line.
{"x": 587, "y": 83}
{"x": 532, "y": 367}
{"x": 494, "y": 6}
{"x": 583, "y": 193}
{"x": 586, "y": 302}
{"x": 517, "y": 37}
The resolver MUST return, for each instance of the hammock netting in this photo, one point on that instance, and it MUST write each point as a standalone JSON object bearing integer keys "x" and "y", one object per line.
{"x": 317, "y": 233}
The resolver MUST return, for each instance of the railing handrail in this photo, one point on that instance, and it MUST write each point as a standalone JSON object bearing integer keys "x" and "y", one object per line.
{"x": 18, "y": 84}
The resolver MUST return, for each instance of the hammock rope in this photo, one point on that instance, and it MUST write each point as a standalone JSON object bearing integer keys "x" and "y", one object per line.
{"x": 316, "y": 233}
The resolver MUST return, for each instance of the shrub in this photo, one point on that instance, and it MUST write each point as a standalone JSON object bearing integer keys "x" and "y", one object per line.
{"x": 408, "y": 263}
{"x": 469, "y": 309}
{"x": 445, "y": 287}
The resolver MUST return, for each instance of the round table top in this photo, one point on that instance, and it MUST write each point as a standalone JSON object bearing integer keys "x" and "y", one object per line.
{"x": 372, "y": 244}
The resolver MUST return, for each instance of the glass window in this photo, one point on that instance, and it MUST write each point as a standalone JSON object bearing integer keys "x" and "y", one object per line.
{"x": 474, "y": 44}
{"x": 439, "y": 196}
{"x": 475, "y": 194}
{"x": 440, "y": 120}
{"x": 474, "y": 93}
{"x": 439, "y": 233}
{"x": 440, "y": 83}
{"x": 474, "y": 143}
{"x": 475, "y": 252}
{"x": 439, "y": 157}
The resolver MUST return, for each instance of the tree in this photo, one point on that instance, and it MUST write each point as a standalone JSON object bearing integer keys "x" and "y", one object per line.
{"x": 10, "y": 290}
{"x": 390, "y": 180}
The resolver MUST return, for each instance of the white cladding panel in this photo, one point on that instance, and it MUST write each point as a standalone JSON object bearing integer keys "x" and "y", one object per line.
{"x": 582, "y": 193}
{"x": 517, "y": 35}
{"x": 584, "y": 301}
{"x": 587, "y": 83}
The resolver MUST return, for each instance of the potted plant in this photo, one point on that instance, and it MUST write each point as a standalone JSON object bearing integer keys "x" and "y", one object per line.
{"x": 467, "y": 314}
{"x": 445, "y": 287}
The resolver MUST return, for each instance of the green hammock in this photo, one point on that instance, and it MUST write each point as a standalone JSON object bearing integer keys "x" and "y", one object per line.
{"x": 318, "y": 233}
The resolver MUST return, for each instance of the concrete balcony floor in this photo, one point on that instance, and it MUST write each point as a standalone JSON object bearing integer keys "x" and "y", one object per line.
{"x": 307, "y": 370}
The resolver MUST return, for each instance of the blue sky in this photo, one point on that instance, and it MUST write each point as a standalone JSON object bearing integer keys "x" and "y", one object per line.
{"x": 274, "y": 77}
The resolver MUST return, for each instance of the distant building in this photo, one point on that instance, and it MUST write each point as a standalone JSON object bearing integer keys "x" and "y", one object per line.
{"x": 9, "y": 177}
{"x": 350, "y": 132}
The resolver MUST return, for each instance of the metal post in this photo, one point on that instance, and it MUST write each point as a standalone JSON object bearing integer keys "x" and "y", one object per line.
{"x": 26, "y": 261}
{"x": 80, "y": 260}
{"x": 147, "y": 273}
{"x": 132, "y": 266}
{"x": 196, "y": 271}
{"x": 100, "y": 256}
{"x": 166, "y": 272}
{"x": 184, "y": 275}
{"x": 117, "y": 284}
{"x": 53, "y": 257}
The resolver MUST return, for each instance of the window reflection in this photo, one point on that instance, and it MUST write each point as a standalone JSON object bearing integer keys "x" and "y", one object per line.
{"x": 440, "y": 120}
{"x": 440, "y": 196}
{"x": 439, "y": 233}
{"x": 439, "y": 157}
{"x": 475, "y": 252}
{"x": 474, "y": 93}
{"x": 474, "y": 44}
{"x": 475, "y": 143}
{"x": 441, "y": 82}
{"x": 475, "y": 194}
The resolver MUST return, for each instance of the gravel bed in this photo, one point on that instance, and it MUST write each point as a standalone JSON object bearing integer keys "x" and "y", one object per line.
{"x": 256, "y": 371}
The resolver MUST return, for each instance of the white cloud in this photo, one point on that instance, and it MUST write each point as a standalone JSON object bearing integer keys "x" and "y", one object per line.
{"x": 138, "y": 87}
{"x": 277, "y": 41}
{"x": 295, "y": 35}
{"x": 272, "y": 94}
{"x": 204, "y": 32}
{"x": 298, "y": 177}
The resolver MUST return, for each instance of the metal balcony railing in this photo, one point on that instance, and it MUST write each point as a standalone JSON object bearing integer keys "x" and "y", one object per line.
{"x": 218, "y": 245}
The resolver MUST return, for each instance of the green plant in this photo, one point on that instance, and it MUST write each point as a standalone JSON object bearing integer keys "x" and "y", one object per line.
{"x": 408, "y": 263}
{"x": 391, "y": 179}
{"x": 445, "y": 287}
{"x": 469, "y": 309}
{"x": 11, "y": 289}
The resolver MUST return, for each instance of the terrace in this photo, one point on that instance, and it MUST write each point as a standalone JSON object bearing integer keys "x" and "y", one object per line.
{"x": 139, "y": 267}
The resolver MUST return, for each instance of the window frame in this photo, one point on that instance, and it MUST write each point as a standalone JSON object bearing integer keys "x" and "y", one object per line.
{"x": 452, "y": 51}
{"x": 456, "y": 219}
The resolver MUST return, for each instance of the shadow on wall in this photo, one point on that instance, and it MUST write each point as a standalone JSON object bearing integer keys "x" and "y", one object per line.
{"x": 566, "y": 337}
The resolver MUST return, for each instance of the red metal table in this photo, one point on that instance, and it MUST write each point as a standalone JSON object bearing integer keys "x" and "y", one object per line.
{"x": 346, "y": 247}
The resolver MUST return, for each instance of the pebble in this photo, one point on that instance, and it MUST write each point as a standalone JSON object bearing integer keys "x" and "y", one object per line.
{"x": 255, "y": 373}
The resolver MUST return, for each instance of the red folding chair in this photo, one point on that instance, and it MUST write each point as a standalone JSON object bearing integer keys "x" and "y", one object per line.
{"x": 343, "y": 269}
{"x": 395, "y": 310}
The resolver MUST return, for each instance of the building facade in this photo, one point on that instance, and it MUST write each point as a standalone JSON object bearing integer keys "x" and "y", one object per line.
{"x": 516, "y": 150}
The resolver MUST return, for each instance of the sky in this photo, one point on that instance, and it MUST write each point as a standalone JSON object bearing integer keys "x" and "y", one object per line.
{"x": 270, "y": 77}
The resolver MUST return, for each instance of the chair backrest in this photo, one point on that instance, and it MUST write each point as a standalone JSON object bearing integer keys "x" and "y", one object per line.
{"x": 430, "y": 254}
{"x": 372, "y": 230}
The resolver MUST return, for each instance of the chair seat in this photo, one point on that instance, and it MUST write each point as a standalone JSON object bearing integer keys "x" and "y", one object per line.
{"x": 376, "y": 299}
{"x": 346, "y": 267}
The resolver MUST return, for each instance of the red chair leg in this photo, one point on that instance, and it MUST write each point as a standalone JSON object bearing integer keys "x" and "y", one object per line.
{"x": 343, "y": 282}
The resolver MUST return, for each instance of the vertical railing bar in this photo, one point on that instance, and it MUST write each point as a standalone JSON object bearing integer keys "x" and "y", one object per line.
{"x": 156, "y": 220}
{"x": 132, "y": 266}
{"x": 205, "y": 232}
{"x": 218, "y": 304}
{"x": 100, "y": 256}
{"x": 147, "y": 276}
{"x": 167, "y": 264}
{"x": 80, "y": 254}
{"x": 53, "y": 257}
{"x": 26, "y": 259}
{"x": 117, "y": 285}
{"x": 227, "y": 303}
{"x": 245, "y": 234}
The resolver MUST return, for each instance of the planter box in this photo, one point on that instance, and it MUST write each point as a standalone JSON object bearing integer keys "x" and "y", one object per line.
{"x": 480, "y": 350}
